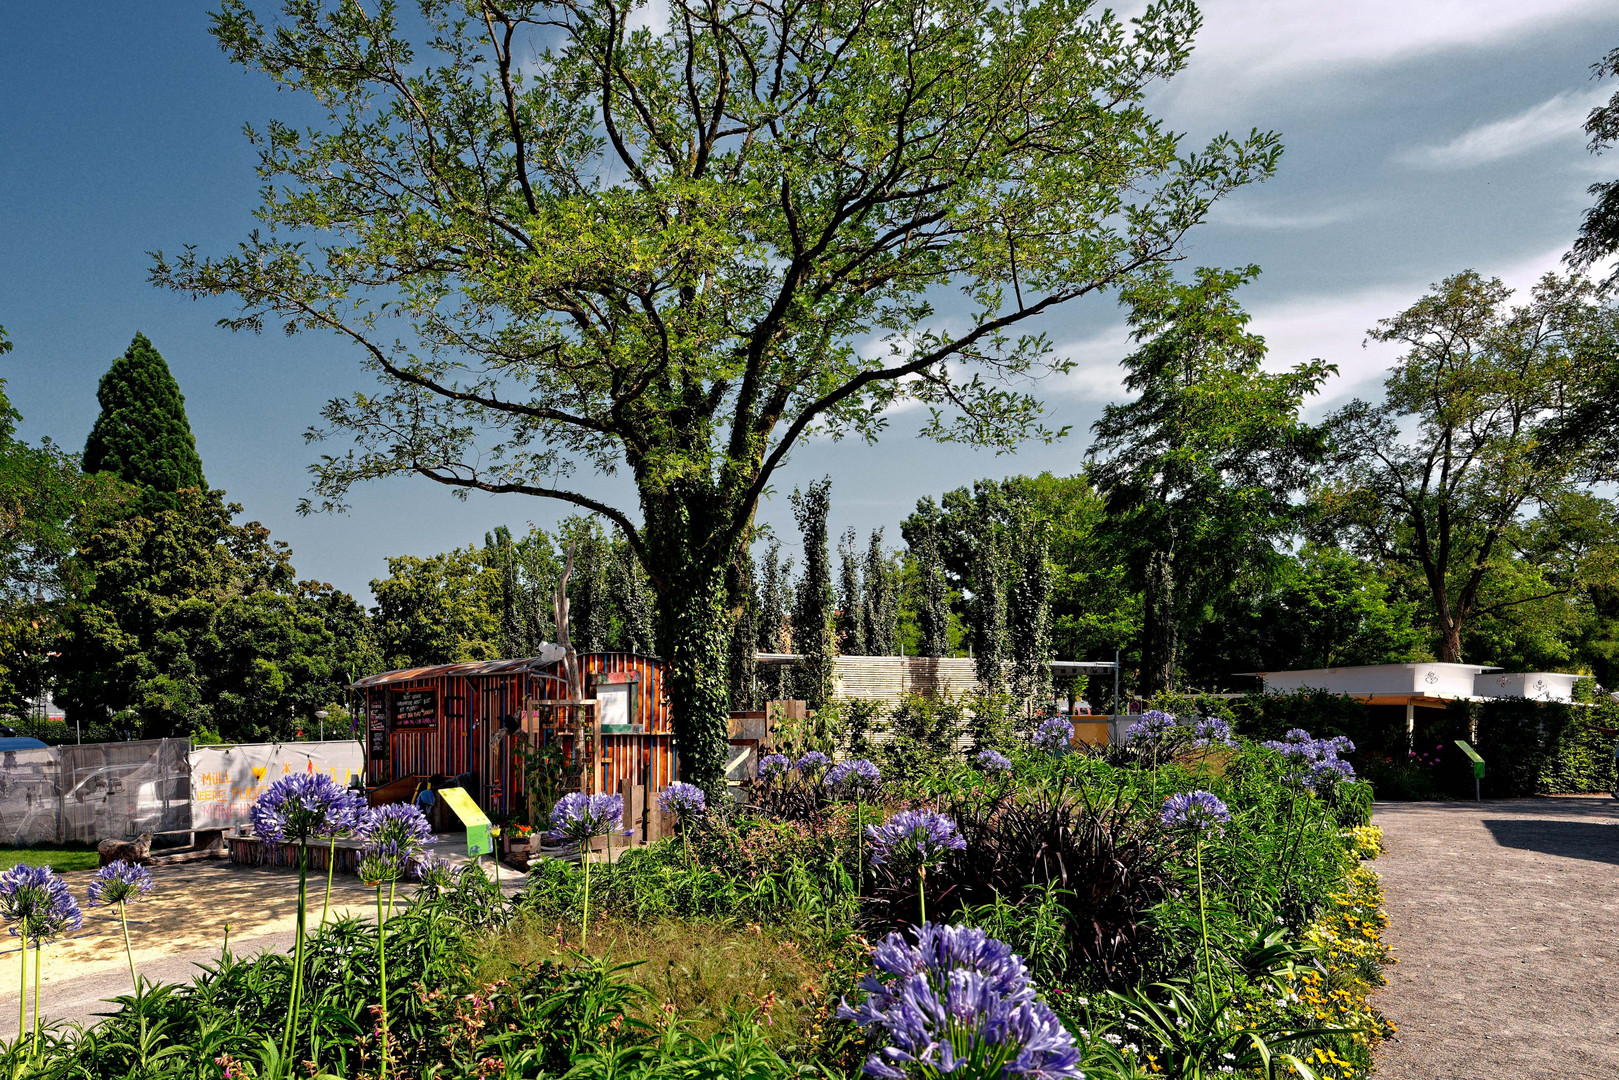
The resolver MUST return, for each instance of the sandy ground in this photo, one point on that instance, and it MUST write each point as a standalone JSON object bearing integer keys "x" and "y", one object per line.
{"x": 1505, "y": 919}
{"x": 183, "y": 923}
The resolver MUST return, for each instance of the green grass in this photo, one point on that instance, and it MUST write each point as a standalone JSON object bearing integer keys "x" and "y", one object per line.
{"x": 63, "y": 858}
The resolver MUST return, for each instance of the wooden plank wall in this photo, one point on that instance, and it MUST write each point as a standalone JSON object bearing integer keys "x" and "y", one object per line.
{"x": 648, "y": 759}
{"x": 886, "y": 678}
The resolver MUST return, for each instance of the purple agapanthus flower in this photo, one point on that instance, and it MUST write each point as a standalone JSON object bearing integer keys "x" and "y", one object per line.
{"x": 772, "y": 765}
{"x": 119, "y": 882}
{"x": 1316, "y": 762}
{"x": 856, "y": 776}
{"x": 959, "y": 1001}
{"x": 1054, "y": 736}
{"x": 992, "y": 761}
{"x": 914, "y": 838}
{"x": 37, "y": 903}
{"x": 1197, "y": 811}
{"x": 306, "y": 806}
{"x": 396, "y": 836}
{"x": 812, "y": 762}
{"x": 578, "y": 818}
{"x": 1211, "y": 731}
{"x": 682, "y": 800}
{"x": 1154, "y": 727}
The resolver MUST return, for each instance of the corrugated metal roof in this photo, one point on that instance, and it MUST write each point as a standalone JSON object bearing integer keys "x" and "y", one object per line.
{"x": 549, "y": 654}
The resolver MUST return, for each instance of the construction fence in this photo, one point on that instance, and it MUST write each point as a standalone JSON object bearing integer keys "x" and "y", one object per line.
{"x": 83, "y": 794}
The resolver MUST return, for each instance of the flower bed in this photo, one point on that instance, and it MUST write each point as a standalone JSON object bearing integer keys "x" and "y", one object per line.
{"x": 1186, "y": 904}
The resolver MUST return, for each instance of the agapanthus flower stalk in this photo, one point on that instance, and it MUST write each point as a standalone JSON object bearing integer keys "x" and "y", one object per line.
{"x": 1317, "y": 763}
{"x": 856, "y": 778}
{"x": 296, "y": 809}
{"x": 39, "y": 908}
{"x": 959, "y": 1003}
{"x": 578, "y": 819}
{"x": 119, "y": 884}
{"x": 1199, "y": 813}
{"x": 918, "y": 838}
{"x": 396, "y": 837}
{"x": 992, "y": 761}
{"x": 1054, "y": 736}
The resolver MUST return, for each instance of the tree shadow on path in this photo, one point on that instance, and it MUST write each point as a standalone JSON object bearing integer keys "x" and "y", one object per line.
{"x": 1593, "y": 841}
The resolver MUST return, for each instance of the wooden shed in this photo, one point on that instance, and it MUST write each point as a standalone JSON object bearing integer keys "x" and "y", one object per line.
{"x": 476, "y": 720}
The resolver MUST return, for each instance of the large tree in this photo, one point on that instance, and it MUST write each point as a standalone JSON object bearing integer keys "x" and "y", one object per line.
{"x": 566, "y": 242}
{"x": 1599, "y": 232}
{"x": 1476, "y": 433}
{"x": 142, "y": 435}
{"x": 1200, "y": 469}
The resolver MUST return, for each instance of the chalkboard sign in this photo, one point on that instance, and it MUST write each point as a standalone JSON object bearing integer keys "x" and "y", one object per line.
{"x": 377, "y": 740}
{"x": 414, "y": 708}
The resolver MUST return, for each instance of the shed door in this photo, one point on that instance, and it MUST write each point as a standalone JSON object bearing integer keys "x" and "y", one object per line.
{"x": 614, "y": 699}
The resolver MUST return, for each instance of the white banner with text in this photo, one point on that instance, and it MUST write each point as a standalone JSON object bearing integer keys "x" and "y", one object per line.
{"x": 226, "y": 779}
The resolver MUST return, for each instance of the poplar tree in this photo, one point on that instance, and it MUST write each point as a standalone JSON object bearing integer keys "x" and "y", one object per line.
{"x": 932, "y": 602}
{"x": 813, "y": 601}
{"x": 1029, "y": 605}
{"x": 773, "y": 619}
{"x": 851, "y": 615}
{"x": 880, "y": 599}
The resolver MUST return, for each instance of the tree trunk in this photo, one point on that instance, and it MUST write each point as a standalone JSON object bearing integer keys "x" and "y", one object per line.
{"x": 1160, "y": 633}
{"x": 1450, "y": 641}
{"x": 687, "y": 560}
{"x": 694, "y": 632}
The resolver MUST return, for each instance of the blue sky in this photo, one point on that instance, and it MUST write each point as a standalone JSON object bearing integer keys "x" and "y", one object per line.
{"x": 1423, "y": 137}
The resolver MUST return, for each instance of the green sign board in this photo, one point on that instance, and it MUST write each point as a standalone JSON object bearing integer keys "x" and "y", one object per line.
{"x": 472, "y": 819}
{"x": 1472, "y": 755}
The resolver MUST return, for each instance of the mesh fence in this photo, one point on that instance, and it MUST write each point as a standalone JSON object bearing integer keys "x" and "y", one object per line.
{"x": 85, "y": 794}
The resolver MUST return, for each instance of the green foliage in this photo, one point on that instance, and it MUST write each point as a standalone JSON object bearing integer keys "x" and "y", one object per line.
{"x": 921, "y": 736}
{"x": 849, "y": 620}
{"x": 438, "y": 610}
{"x": 1599, "y": 232}
{"x": 1478, "y": 454}
{"x": 185, "y": 622}
{"x": 930, "y": 592}
{"x": 1199, "y": 471}
{"x": 775, "y": 591}
{"x": 663, "y": 254}
{"x": 880, "y": 598}
{"x": 142, "y": 436}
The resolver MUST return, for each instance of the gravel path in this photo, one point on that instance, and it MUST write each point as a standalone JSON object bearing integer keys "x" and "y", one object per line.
{"x": 1505, "y": 921}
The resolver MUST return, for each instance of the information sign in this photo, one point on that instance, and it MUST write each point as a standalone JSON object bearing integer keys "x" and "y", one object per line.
{"x": 472, "y": 819}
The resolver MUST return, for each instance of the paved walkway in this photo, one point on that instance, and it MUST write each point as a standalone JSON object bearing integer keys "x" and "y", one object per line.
{"x": 1505, "y": 919}
{"x": 182, "y": 924}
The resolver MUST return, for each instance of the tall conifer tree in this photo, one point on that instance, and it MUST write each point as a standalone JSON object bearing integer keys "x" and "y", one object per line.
{"x": 813, "y": 605}
{"x": 142, "y": 435}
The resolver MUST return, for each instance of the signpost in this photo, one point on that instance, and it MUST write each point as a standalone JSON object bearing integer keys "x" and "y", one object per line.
{"x": 1478, "y": 765}
{"x": 479, "y": 841}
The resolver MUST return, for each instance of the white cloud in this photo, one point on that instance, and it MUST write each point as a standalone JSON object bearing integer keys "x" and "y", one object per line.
{"x": 1556, "y": 119}
{"x": 1243, "y": 215}
{"x": 1328, "y": 326}
{"x": 1263, "y": 39}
